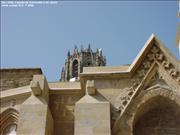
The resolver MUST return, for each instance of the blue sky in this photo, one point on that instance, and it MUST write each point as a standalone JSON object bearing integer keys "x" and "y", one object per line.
{"x": 42, "y": 35}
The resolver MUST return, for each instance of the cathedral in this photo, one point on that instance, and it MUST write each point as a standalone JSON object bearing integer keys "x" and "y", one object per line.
{"x": 142, "y": 98}
{"x": 90, "y": 98}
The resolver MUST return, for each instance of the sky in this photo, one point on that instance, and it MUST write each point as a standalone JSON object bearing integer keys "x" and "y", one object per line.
{"x": 41, "y": 36}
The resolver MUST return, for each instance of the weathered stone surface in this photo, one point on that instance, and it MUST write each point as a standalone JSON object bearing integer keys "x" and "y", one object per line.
{"x": 35, "y": 119}
{"x": 62, "y": 105}
{"x": 13, "y": 78}
{"x": 92, "y": 117}
{"x": 90, "y": 87}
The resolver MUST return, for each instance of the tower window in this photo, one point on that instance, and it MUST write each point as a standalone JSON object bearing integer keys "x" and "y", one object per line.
{"x": 75, "y": 68}
{"x": 88, "y": 63}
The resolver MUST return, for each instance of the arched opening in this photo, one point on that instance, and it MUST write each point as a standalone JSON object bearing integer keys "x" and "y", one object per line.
{"x": 75, "y": 68}
{"x": 10, "y": 130}
{"x": 8, "y": 122}
{"x": 158, "y": 116}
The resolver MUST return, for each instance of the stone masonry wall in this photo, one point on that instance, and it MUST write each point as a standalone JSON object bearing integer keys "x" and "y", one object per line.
{"x": 62, "y": 108}
{"x": 13, "y": 78}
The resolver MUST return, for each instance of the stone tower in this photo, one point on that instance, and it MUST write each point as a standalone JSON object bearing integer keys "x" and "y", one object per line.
{"x": 75, "y": 62}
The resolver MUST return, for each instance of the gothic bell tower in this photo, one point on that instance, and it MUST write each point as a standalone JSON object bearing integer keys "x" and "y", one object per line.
{"x": 75, "y": 62}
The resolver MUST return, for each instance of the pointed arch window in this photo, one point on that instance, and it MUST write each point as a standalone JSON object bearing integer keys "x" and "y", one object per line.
{"x": 75, "y": 68}
{"x": 9, "y": 120}
{"x": 10, "y": 130}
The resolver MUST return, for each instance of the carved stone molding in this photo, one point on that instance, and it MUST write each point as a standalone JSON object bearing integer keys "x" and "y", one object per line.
{"x": 8, "y": 117}
{"x": 125, "y": 97}
{"x": 154, "y": 55}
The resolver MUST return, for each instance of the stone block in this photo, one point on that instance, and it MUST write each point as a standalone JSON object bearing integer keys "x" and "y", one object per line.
{"x": 92, "y": 117}
{"x": 35, "y": 120}
{"x": 36, "y": 88}
{"x": 40, "y": 86}
{"x": 90, "y": 87}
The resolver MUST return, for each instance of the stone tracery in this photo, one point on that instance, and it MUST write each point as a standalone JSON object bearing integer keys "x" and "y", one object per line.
{"x": 155, "y": 55}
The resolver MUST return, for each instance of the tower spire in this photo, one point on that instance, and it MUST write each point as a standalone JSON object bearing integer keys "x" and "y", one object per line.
{"x": 68, "y": 54}
{"x": 89, "y": 47}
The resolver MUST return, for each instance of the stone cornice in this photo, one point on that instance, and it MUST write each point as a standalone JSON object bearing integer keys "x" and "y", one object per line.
{"x": 15, "y": 93}
{"x": 21, "y": 69}
{"x": 153, "y": 47}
